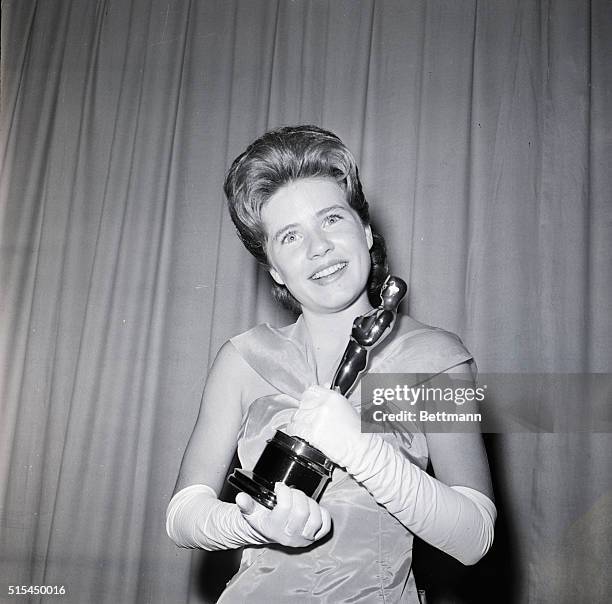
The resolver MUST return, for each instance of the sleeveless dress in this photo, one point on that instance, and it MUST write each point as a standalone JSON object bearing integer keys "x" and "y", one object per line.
{"x": 367, "y": 557}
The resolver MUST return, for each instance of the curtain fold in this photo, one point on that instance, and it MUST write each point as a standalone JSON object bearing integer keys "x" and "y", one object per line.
{"x": 483, "y": 135}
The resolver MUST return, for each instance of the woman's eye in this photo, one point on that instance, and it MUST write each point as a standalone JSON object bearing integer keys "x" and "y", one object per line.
{"x": 332, "y": 219}
{"x": 289, "y": 238}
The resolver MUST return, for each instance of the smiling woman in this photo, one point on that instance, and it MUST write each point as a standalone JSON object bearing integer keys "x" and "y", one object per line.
{"x": 285, "y": 157}
{"x": 297, "y": 203}
{"x": 318, "y": 247}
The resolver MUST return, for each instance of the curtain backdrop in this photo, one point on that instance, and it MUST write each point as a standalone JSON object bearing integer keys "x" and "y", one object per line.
{"x": 483, "y": 133}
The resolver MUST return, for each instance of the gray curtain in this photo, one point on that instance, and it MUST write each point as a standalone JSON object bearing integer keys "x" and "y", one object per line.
{"x": 483, "y": 132}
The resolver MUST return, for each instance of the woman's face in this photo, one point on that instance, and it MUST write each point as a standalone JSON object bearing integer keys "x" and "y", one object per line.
{"x": 317, "y": 245}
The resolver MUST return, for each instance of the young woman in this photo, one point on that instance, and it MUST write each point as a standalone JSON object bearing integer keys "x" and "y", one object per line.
{"x": 297, "y": 203}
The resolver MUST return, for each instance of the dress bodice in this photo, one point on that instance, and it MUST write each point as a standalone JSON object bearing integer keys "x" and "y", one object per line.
{"x": 368, "y": 554}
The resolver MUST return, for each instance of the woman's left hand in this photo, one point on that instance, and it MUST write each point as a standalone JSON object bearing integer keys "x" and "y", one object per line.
{"x": 327, "y": 421}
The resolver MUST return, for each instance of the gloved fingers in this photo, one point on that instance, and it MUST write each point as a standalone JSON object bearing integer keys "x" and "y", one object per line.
{"x": 255, "y": 514}
{"x": 314, "y": 521}
{"x": 326, "y": 523}
{"x": 296, "y": 520}
{"x": 245, "y": 503}
{"x": 312, "y": 398}
{"x": 298, "y": 513}
{"x": 302, "y": 423}
{"x": 318, "y": 406}
{"x": 283, "y": 502}
{"x": 290, "y": 512}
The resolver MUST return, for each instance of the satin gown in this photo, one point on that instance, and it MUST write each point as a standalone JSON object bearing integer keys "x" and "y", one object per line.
{"x": 368, "y": 555}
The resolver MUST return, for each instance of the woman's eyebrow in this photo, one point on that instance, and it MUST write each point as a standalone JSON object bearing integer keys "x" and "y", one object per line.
{"x": 331, "y": 208}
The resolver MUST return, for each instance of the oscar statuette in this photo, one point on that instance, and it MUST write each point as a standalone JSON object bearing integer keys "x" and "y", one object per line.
{"x": 290, "y": 459}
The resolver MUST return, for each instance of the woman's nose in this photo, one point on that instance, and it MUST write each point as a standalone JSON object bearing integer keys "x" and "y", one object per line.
{"x": 319, "y": 244}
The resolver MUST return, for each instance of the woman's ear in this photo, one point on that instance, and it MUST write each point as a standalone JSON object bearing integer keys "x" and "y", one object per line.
{"x": 369, "y": 237}
{"x": 276, "y": 275}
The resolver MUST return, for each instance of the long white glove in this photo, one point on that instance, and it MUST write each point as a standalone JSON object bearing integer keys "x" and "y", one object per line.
{"x": 196, "y": 518}
{"x": 457, "y": 520}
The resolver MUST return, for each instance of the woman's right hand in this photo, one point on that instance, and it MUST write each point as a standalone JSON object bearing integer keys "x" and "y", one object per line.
{"x": 296, "y": 520}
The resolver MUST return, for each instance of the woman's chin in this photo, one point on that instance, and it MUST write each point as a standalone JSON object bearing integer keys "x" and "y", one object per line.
{"x": 337, "y": 302}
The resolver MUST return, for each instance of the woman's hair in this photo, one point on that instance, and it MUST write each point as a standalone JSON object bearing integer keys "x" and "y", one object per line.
{"x": 282, "y": 156}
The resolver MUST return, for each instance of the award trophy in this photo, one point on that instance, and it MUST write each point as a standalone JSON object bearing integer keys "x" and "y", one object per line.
{"x": 290, "y": 459}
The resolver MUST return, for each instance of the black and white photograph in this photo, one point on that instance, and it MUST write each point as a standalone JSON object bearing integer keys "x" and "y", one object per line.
{"x": 306, "y": 301}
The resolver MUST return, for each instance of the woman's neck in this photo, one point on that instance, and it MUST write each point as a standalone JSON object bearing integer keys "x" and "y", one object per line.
{"x": 332, "y": 330}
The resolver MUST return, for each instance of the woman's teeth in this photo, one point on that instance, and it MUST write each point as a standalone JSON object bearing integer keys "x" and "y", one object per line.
{"x": 329, "y": 271}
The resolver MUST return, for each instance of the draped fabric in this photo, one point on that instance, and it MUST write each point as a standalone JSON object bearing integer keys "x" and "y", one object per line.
{"x": 483, "y": 133}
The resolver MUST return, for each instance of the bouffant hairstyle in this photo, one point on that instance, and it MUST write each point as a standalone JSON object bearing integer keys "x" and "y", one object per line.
{"x": 280, "y": 157}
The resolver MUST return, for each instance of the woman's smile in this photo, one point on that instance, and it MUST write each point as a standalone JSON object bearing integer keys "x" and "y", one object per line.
{"x": 317, "y": 245}
{"x": 325, "y": 275}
